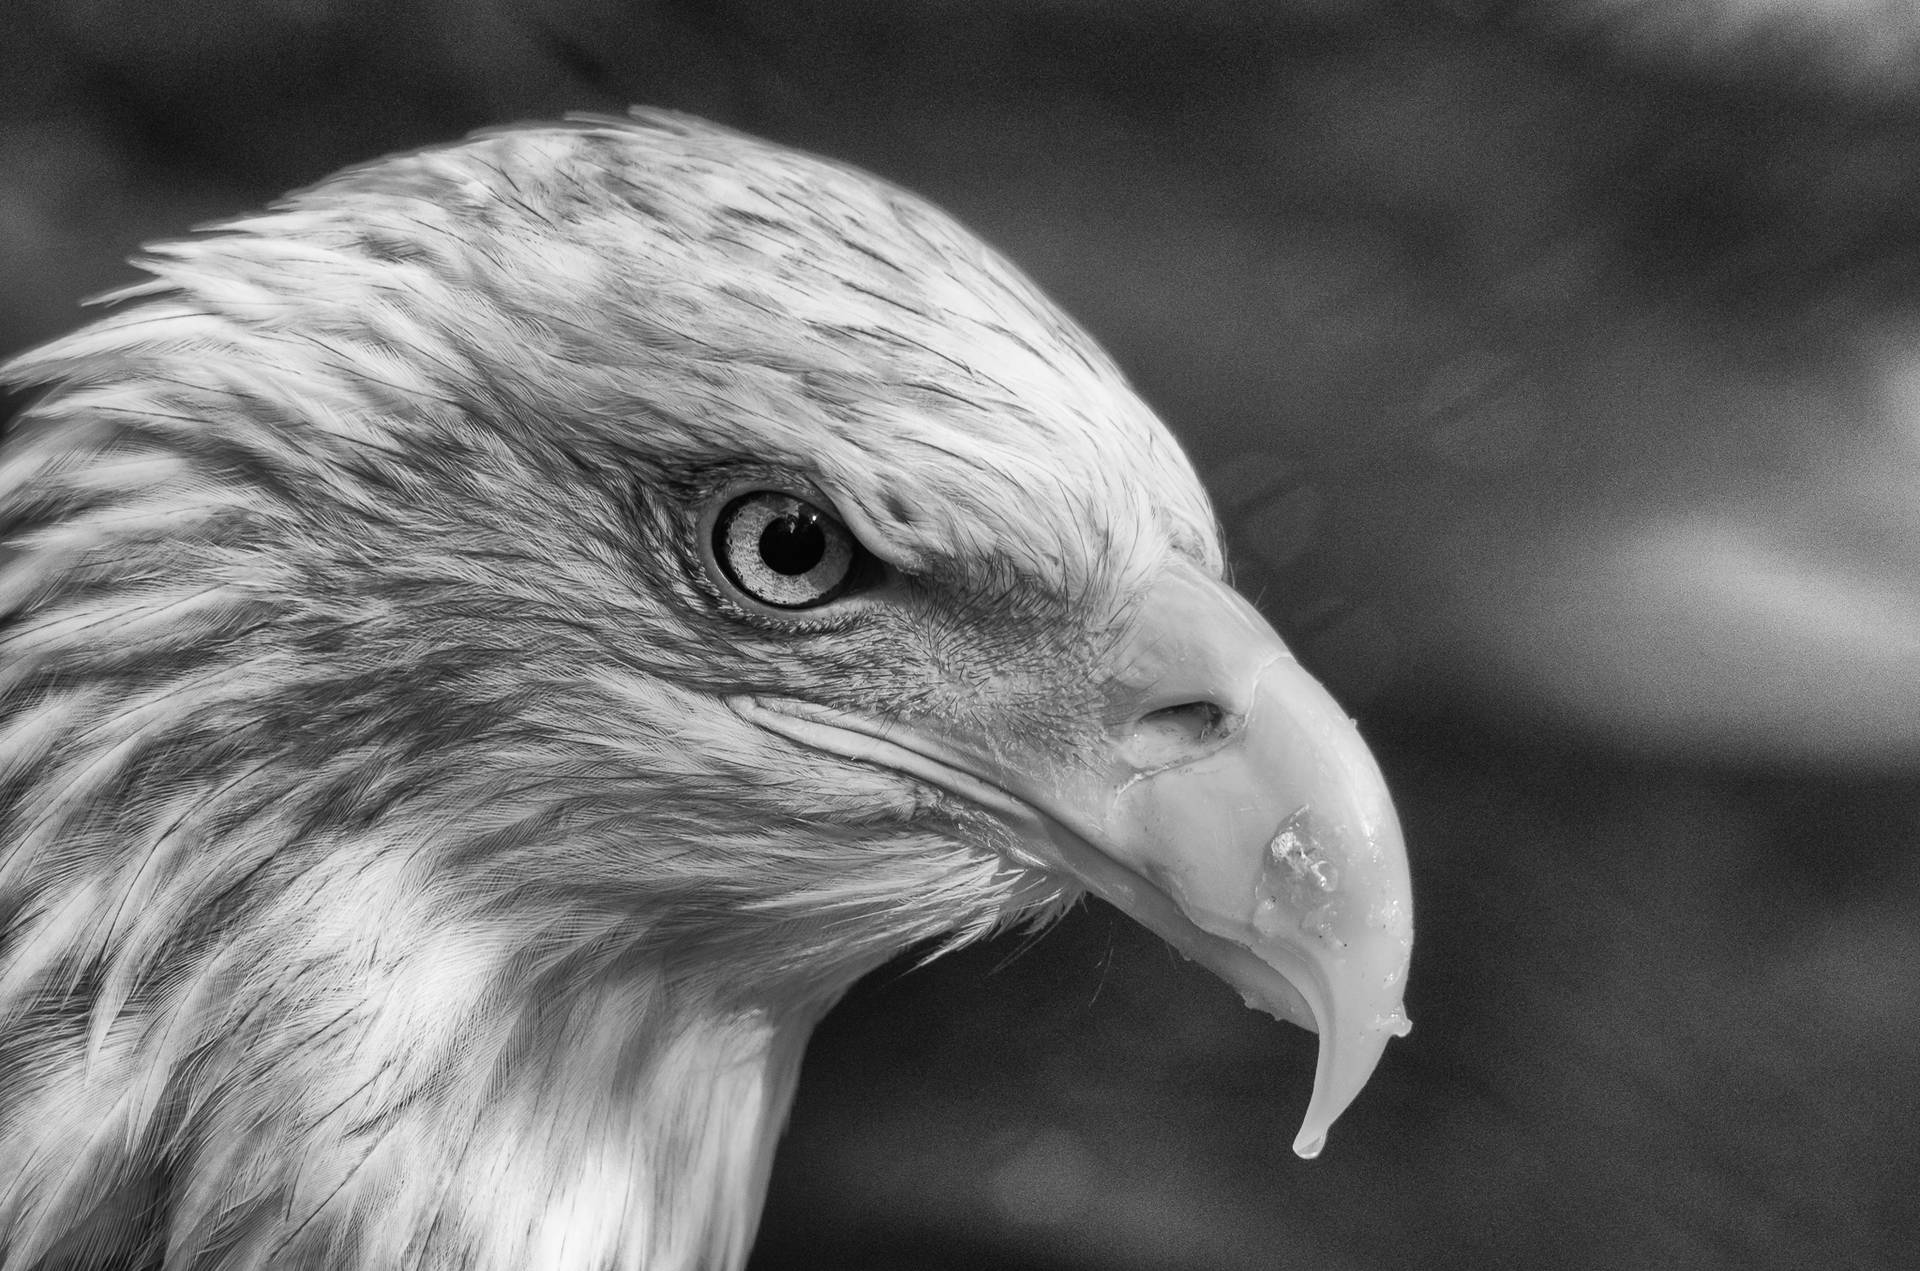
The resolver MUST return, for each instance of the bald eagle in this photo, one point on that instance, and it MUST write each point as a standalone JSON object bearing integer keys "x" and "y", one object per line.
{"x": 494, "y": 646}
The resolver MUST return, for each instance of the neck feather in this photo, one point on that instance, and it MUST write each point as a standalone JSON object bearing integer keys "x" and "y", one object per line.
{"x": 625, "y": 1122}
{"x": 614, "y": 1150}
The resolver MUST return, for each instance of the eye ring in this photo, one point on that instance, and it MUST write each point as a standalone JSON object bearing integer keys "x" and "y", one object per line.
{"x": 782, "y": 551}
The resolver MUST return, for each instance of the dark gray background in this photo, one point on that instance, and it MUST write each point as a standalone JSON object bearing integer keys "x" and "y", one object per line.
{"x": 1553, "y": 364}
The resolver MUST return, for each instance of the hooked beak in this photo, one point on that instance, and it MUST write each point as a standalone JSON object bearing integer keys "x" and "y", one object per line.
{"x": 1233, "y": 810}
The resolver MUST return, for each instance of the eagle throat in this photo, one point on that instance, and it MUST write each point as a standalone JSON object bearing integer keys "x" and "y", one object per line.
{"x": 623, "y": 1116}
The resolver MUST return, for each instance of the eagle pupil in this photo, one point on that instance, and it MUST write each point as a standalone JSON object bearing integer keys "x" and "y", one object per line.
{"x": 793, "y": 544}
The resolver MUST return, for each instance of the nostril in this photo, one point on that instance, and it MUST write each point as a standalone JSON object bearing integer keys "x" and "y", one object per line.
{"x": 1175, "y": 733}
{"x": 1199, "y": 719}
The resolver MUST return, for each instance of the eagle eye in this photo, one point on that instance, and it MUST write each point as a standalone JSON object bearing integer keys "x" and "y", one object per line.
{"x": 784, "y": 552}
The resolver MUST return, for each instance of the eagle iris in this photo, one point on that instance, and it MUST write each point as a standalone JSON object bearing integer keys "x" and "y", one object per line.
{"x": 782, "y": 551}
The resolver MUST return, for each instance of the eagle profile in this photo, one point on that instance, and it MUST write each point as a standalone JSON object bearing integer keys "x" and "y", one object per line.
{"x": 494, "y": 646}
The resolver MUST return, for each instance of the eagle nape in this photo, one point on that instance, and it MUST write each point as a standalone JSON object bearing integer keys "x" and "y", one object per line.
{"x": 494, "y": 646}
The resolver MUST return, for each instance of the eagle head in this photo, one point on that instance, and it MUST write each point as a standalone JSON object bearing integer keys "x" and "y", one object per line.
{"x": 496, "y": 644}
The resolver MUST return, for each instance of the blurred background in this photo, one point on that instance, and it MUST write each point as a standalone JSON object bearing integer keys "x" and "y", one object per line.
{"x": 1556, "y": 367}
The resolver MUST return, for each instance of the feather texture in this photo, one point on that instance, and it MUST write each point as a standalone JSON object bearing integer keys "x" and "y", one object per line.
{"x": 383, "y": 882}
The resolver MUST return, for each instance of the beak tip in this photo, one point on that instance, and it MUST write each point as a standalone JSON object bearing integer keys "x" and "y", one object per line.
{"x": 1346, "y": 1062}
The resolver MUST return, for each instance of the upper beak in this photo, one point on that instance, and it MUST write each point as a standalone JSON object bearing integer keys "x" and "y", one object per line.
{"x": 1232, "y": 809}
